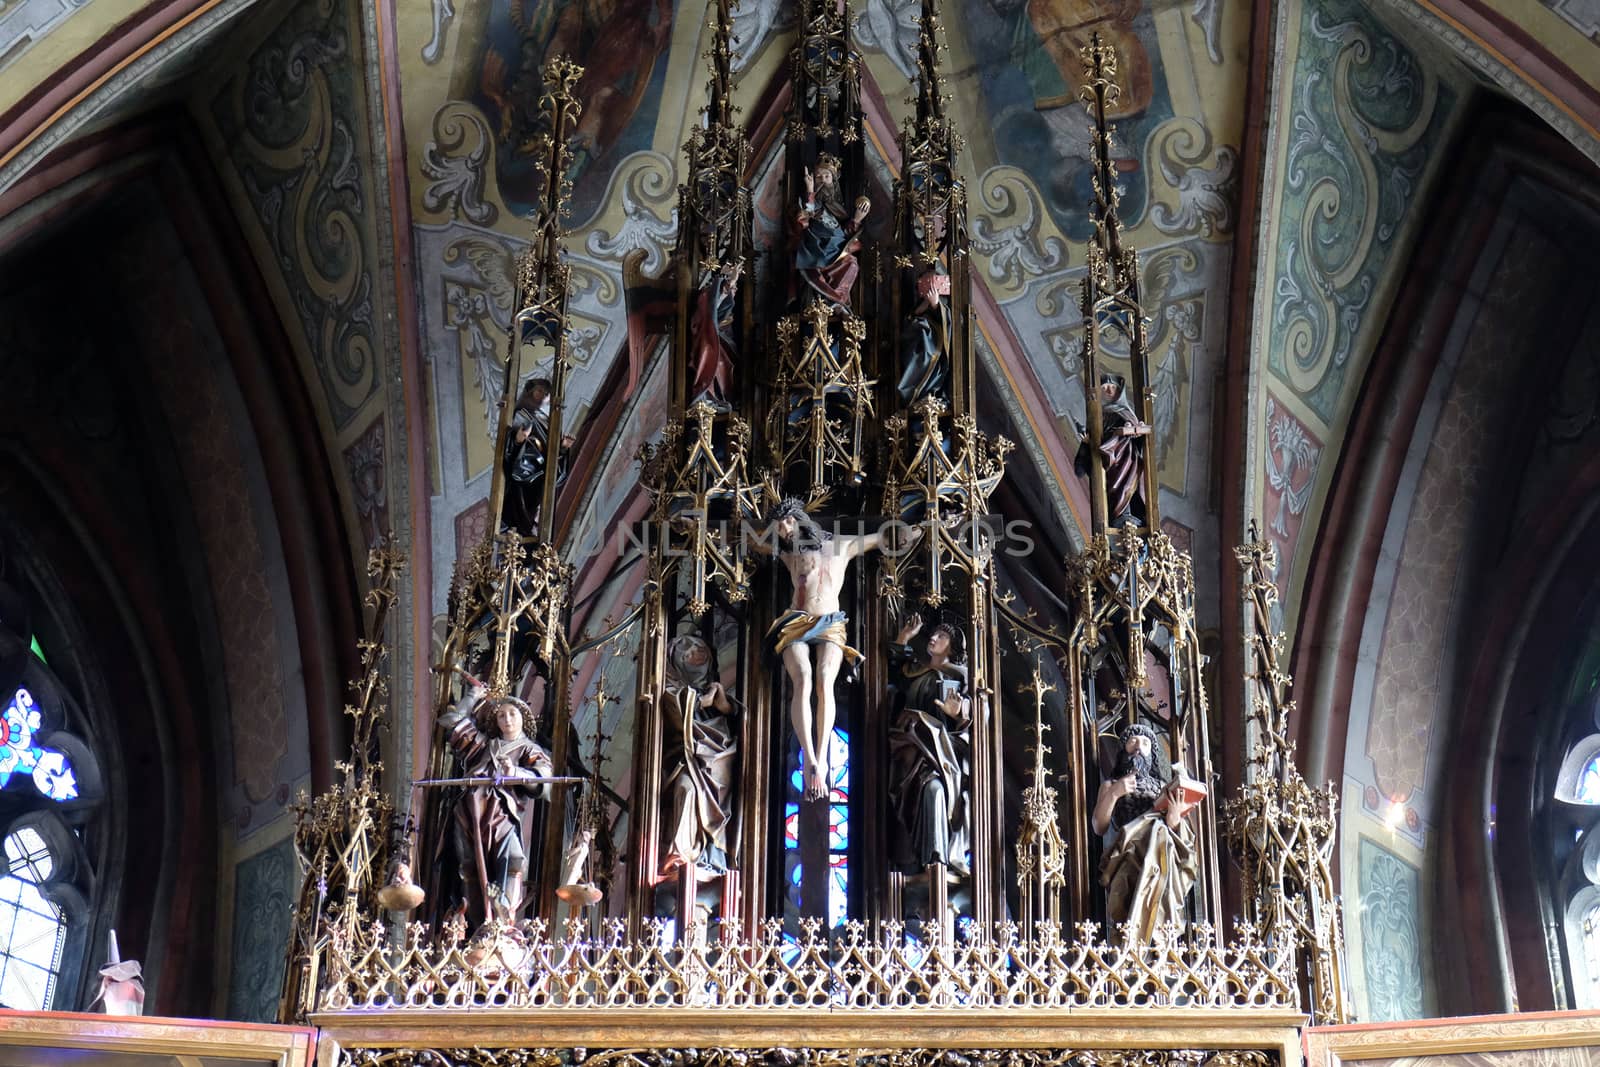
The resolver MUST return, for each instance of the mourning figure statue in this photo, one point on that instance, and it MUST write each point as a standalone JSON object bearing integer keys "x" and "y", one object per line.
{"x": 929, "y": 748}
{"x": 1151, "y": 866}
{"x": 1123, "y": 438}
{"x": 525, "y": 457}
{"x": 825, "y": 234}
{"x": 489, "y": 737}
{"x": 699, "y": 756}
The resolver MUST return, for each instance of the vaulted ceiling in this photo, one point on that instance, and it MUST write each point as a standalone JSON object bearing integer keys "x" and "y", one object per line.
{"x": 1296, "y": 174}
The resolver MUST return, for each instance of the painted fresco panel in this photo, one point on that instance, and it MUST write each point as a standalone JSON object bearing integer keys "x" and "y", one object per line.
{"x": 1391, "y": 940}
{"x": 1413, "y": 680}
{"x": 1364, "y": 118}
{"x": 503, "y": 46}
{"x": 292, "y": 122}
{"x": 263, "y": 897}
{"x": 1029, "y": 75}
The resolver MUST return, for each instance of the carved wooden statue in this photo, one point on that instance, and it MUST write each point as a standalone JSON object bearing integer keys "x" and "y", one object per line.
{"x": 930, "y": 753}
{"x": 1151, "y": 866}
{"x": 700, "y": 758}
{"x": 490, "y": 741}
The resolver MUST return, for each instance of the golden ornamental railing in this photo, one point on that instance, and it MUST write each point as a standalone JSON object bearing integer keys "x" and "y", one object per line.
{"x": 999, "y": 967}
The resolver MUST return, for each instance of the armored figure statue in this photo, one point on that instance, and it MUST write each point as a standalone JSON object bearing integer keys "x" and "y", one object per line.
{"x": 1151, "y": 866}
{"x": 929, "y": 749}
{"x": 489, "y": 738}
{"x": 699, "y": 756}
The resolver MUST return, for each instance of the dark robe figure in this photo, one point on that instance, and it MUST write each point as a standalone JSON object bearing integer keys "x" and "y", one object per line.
{"x": 525, "y": 458}
{"x": 699, "y": 754}
{"x": 925, "y": 342}
{"x": 711, "y": 337}
{"x": 488, "y": 739}
{"x": 1122, "y": 448}
{"x": 824, "y": 235}
{"x": 1150, "y": 868}
{"x": 929, "y": 751}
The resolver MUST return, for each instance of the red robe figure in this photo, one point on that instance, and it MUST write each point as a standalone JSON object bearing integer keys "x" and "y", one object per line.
{"x": 712, "y": 337}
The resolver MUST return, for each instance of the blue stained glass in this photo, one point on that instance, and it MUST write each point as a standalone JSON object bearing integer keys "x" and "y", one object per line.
{"x": 838, "y": 872}
{"x": 51, "y": 770}
{"x": 1588, "y": 790}
{"x": 838, "y": 890}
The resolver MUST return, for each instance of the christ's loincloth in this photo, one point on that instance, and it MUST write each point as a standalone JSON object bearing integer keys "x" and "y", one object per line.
{"x": 795, "y": 626}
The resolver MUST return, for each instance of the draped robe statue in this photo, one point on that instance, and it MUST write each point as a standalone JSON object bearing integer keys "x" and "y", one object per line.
{"x": 929, "y": 751}
{"x": 1150, "y": 868}
{"x": 925, "y": 342}
{"x": 488, "y": 740}
{"x": 711, "y": 335}
{"x": 524, "y": 460}
{"x": 1123, "y": 438}
{"x": 699, "y": 757}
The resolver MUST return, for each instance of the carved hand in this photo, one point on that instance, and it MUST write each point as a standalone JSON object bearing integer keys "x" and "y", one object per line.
{"x": 909, "y": 627}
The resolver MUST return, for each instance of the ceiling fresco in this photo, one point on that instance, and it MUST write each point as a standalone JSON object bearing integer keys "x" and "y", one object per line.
{"x": 1360, "y": 125}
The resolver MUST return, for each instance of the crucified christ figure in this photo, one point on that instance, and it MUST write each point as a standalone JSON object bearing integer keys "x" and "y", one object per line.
{"x": 810, "y": 636}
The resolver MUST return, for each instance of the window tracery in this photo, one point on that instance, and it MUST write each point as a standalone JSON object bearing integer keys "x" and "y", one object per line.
{"x": 1574, "y": 849}
{"x": 51, "y": 793}
{"x": 33, "y": 928}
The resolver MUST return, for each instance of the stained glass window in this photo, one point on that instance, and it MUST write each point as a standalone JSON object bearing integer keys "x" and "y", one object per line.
{"x": 32, "y": 929}
{"x": 1588, "y": 789}
{"x": 20, "y": 752}
{"x": 838, "y": 873}
{"x": 1591, "y": 950}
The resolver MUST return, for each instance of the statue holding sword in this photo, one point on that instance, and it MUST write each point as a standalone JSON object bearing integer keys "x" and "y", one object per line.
{"x": 502, "y": 768}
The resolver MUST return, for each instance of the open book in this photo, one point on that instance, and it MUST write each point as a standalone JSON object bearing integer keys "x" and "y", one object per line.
{"x": 1183, "y": 791}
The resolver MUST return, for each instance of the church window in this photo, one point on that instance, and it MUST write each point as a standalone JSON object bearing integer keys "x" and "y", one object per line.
{"x": 33, "y": 930}
{"x": 838, "y": 832}
{"x": 1588, "y": 788}
{"x": 1591, "y": 951}
{"x": 21, "y": 754}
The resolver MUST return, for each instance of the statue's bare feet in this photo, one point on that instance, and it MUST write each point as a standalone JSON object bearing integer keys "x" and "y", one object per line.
{"x": 817, "y": 781}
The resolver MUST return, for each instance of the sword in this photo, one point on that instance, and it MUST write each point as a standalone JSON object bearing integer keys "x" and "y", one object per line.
{"x": 498, "y": 780}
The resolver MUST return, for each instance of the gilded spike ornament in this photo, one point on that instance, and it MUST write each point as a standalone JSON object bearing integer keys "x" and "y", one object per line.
{"x": 1282, "y": 830}
{"x": 684, "y": 861}
{"x": 345, "y": 836}
{"x": 495, "y": 759}
{"x": 1041, "y": 852}
{"x": 1135, "y": 691}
